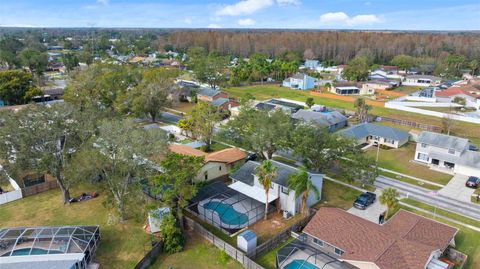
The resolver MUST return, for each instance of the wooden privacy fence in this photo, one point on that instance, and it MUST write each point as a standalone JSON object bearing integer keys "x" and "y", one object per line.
{"x": 45, "y": 186}
{"x": 413, "y": 124}
{"x": 219, "y": 243}
{"x": 150, "y": 257}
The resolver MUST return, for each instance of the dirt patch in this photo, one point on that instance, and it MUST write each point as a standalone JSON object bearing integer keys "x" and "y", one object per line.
{"x": 350, "y": 99}
{"x": 275, "y": 223}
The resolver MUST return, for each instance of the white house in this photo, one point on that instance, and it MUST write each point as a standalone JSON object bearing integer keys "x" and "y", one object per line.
{"x": 312, "y": 64}
{"x": 421, "y": 80}
{"x": 376, "y": 134}
{"x": 246, "y": 181}
{"x": 447, "y": 152}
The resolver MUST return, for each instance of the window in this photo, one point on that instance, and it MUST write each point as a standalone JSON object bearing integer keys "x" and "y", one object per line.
{"x": 424, "y": 145}
{"x": 389, "y": 141}
{"x": 206, "y": 175}
{"x": 422, "y": 157}
{"x": 318, "y": 242}
{"x": 220, "y": 168}
{"x": 338, "y": 251}
{"x": 451, "y": 151}
{"x": 285, "y": 190}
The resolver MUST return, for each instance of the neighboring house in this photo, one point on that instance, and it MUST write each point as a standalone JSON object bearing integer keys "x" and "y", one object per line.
{"x": 312, "y": 64}
{"x": 376, "y": 134}
{"x": 369, "y": 87}
{"x": 209, "y": 94}
{"x": 299, "y": 81}
{"x": 216, "y": 164}
{"x": 288, "y": 107}
{"x": 246, "y": 181}
{"x": 346, "y": 90}
{"x": 265, "y": 106}
{"x": 333, "y": 120}
{"x": 405, "y": 241}
{"x": 386, "y": 71}
{"x": 224, "y": 104}
{"x": 448, "y": 152}
{"x": 421, "y": 80}
{"x": 470, "y": 94}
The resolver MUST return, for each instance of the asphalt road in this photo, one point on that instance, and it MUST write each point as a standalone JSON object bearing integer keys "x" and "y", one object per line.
{"x": 170, "y": 117}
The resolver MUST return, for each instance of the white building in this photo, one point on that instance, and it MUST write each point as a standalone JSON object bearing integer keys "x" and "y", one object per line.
{"x": 447, "y": 152}
{"x": 246, "y": 182}
{"x": 421, "y": 80}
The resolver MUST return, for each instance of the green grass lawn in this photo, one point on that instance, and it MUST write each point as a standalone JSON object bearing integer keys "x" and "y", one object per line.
{"x": 336, "y": 195}
{"x": 198, "y": 254}
{"x": 262, "y": 92}
{"x": 466, "y": 240}
{"x": 410, "y": 181}
{"x": 399, "y": 160}
{"x": 121, "y": 245}
{"x": 268, "y": 260}
{"x": 215, "y": 146}
{"x": 406, "y": 89}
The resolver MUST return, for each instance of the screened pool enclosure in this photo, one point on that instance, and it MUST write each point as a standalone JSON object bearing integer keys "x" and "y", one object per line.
{"x": 68, "y": 243}
{"x": 226, "y": 208}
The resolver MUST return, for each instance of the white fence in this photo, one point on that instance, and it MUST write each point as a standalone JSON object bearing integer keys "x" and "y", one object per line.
{"x": 401, "y": 106}
{"x": 421, "y": 99}
{"x": 11, "y": 195}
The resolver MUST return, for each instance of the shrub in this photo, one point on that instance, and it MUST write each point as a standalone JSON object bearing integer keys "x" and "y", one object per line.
{"x": 173, "y": 239}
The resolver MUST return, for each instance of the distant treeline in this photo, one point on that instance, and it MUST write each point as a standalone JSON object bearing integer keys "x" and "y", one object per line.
{"x": 336, "y": 46}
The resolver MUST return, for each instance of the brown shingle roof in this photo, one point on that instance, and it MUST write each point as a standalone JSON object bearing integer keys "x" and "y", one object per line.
{"x": 229, "y": 155}
{"x": 186, "y": 150}
{"x": 405, "y": 241}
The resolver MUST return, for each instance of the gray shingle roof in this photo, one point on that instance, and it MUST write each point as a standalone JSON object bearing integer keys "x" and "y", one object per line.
{"x": 246, "y": 173}
{"x": 365, "y": 129}
{"x": 219, "y": 101}
{"x": 208, "y": 92}
{"x": 443, "y": 141}
{"x": 321, "y": 118}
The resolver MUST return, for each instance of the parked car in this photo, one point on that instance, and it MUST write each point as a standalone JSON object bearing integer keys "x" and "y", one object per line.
{"x": 473, "y": 182}
{"x": 251, "y": 157}
{"x": 364, "y": 200}
{"x": 473, "y": 147}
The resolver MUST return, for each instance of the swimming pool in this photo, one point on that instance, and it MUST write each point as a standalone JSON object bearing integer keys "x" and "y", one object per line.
{"x": 35, "y": 251}
{"x": 300, "y": 264}
{"x": 228, "y": 215}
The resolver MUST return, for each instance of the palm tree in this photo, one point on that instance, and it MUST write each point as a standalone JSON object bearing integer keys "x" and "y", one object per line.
{"x": 389, "y": 198}
{"x": 266, "y": 172}
{"x": 302, "y": 185}
{"x": 362, "y": 109}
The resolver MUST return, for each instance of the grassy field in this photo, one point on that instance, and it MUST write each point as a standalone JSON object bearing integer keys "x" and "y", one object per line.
{"x": 121, "y": 245}
{"x": 406, "y": 89}
{"x": 399, "y": 160}
{"x": 198, "y": 254}
{"x": 268, "y": 259}
{"x": 262, "y": 92}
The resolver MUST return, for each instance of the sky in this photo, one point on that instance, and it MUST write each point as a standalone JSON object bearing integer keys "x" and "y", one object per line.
{"x": 292, "y": 14}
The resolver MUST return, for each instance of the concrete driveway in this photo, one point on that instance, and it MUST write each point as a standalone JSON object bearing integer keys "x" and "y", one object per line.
{"x": 372, "y": 212}
{"x": 456, "y": 189}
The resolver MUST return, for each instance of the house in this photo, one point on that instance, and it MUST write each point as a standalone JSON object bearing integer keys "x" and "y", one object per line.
{"x": 449, "y": 152}
{"x": 49, "y": 247}
{"x": 421, "y": 80}
{"x": 312, "y": 64}
{"x": 346, "y": 90}
{"x": 376, "y": 134}
{"x": 246, "y": 182}
{"x": 405, "y": 241}
{"x": 224, "y": 104}
{"x": 333, "y": 120}
{"x": 208, "y": 94}
{"x": 369, "y": 87}
{"x": 299, "y": 81}
{"x": 386, "y": 71}
{"x": 472, "y": 98}
{"x": 216, "y": 164}
{"x": 288, "y": 107}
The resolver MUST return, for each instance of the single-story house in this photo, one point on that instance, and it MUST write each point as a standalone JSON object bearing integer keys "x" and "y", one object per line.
{"x": 264, "y": 106}
{"x": 346, "y": 90}
{"x": 369, "y": 87}
{"x": 209, "y": 94}
{"x": 421, "y": 80}
{"x": 312, "y": 64}
{"x": 333, "y": 120}
{"x": 224, "y": 104}
{"x": 472, "y": 98}
{"x": 386, "y": 71}
{"x": 288, "y": 107}
{"x": 280, "y": 195}
{"x": 299, "y": 81}
{"x": 449, "y": 152}
{"x": 216, "y": 164}
{"x": 376, "y": 134}
{"x": 405, "y": 241}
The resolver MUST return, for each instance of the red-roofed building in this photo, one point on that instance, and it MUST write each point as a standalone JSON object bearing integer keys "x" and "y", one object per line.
{"x": 406, "y": 241}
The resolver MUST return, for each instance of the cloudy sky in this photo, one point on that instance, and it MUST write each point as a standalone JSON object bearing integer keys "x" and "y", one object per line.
{"x": 304, "y": 14}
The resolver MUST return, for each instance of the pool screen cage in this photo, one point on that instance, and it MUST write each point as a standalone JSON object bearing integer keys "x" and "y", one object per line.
{"x": 303, "y": 255}
{"x": 226, "y": 208}
{"x": 50, "y": 240}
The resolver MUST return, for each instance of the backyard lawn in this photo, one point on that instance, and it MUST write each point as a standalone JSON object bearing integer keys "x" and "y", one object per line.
{"x": 198, "y": 254}
{"x": 336, "y": 195}
{"x": 121, "y": 245}
{"x": 262, "y": 92}
{"x": 399, "y": 160}
{"x": 406, "y": 89}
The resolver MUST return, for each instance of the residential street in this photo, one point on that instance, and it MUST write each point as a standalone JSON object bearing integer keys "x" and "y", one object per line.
{"x": 430, "y": 197}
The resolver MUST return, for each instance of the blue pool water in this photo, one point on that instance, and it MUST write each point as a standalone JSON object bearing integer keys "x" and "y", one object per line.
{"x": 300, "y": 264}
{"x": 227, "y": 213}
{"x": 35, "y": 251}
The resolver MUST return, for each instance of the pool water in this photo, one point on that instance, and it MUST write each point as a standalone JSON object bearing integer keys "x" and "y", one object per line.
{"x": 35, "y": 251}
{"x": 300, "y": 264}
{"x": 228, "y": 215}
